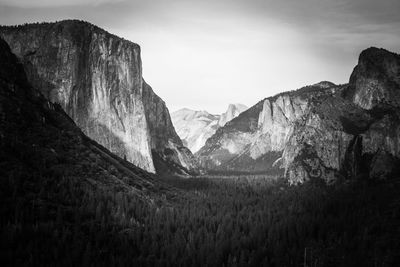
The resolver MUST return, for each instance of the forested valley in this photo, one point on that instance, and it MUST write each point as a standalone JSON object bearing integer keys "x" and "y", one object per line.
{"x": 212, "y": 222}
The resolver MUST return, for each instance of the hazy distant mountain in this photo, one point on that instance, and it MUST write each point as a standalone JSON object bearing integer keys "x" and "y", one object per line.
{"x": 195, "y": 127}
{"x": 321, "y": 131}
{"x": 97, "y": 79}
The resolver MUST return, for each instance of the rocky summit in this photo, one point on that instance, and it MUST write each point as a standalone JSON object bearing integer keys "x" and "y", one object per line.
{"x": 375, "y": 80}
{"x": 96, "y": 77}
{"x": 323, "y": 131}
{"x": 195, "y": 127}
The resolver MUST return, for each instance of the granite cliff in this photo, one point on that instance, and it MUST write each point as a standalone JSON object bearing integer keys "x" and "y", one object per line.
{"x": 43, "y": 152}
{"x": 195, "y": 127}
{"x": 322, "y": 131}
{"x": 168, "y": 151}
{"x": 375, "y": 80}
{"x": 96, "y": 77}
{"x": 231, "y": 112}
{"x": 355, "y": 132}
{"x": 255, "y": 140}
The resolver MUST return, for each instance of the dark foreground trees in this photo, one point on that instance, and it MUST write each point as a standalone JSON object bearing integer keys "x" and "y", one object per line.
{"x": 217, "y": 222}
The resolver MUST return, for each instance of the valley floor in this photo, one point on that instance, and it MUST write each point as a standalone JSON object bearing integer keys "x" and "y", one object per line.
{"x": 214, "y": 222}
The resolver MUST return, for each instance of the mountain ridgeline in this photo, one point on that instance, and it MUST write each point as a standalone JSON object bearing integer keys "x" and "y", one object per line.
{"x": 195, "y": 127}
{"x": 323, "y": 131}
{"x": 96, "y": 77}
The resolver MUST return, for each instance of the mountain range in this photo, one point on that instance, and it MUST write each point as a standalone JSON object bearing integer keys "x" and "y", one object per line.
{"x": 323, "y": 130}
{"x": 195, "y": 127}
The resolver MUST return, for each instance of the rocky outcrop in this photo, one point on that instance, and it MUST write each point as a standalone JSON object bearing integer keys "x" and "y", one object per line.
{"x": 340, "y": 140}
{"x": 324, "y": 131}
{"x": 275, "y": 122}
{"x": 232, "y": 112}
{"x": 375, "y": 79}
{"x": 255, "y": 140}
{"x": 97, "y": 79}
{"x": 353, "y": 133}
{"x": 165, "y": 144}
{"x": 195, "y": 127}
{"x": 42, "y": 150}
{"x": 318, "y": 143}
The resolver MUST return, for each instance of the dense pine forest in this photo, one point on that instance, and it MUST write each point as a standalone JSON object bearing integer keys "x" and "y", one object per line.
{"x": 214, "y": 222}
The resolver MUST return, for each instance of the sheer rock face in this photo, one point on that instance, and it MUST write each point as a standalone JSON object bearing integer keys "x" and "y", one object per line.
{"x": 339, "y": 139}
{"x": 41, "y": 142}
{"x": 323, "y": 131}
{"x": 159, "y": 120}
{"x": 275, "y": 123}
{"x": 353, "y": 133}
{"x": 97, "y": 78}
{"x": 164, "y": 140}
{"x": 255, "y": 140}
{"x": 376, "y": 79}
{"x": 232, "y": 112}
{"x": 318, "y": 144}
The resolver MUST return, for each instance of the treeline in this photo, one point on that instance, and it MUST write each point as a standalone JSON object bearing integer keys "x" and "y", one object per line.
{"x": 31, "y": 24}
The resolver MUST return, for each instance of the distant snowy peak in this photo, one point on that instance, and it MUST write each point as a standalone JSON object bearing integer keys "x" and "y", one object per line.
{"x": 194, "y": 127}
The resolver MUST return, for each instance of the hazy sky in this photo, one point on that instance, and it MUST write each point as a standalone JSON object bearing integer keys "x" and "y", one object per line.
{"x": 207, "y": 54}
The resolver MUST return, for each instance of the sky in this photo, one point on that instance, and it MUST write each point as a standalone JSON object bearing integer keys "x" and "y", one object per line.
{"x": 206, "y": 54}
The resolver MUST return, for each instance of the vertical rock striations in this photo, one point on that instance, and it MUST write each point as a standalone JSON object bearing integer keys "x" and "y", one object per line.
{"x": 376, "y": 79}
{"x": 97, "y": 78}
{"x": 323, "y": 131}
{"x": 355, "y": 132}
{"x": 49, "y": 158}
{"x": 255, "y": 140}
{"x": 167, "y": 149}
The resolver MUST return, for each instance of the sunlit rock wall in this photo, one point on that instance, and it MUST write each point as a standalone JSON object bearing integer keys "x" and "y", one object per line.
{"x": 97, "y": 78}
